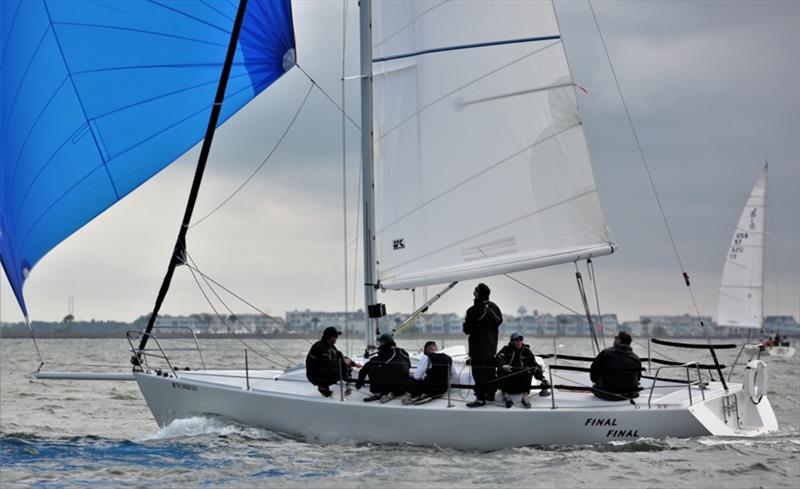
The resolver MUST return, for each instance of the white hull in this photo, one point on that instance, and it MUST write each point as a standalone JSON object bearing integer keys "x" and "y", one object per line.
{"x": 286, "y": 403}
{"x": 781, "y": 351}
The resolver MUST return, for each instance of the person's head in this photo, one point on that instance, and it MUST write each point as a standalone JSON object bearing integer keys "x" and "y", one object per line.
{"x": 481, "y": 292}
{"x": 386, "y": 339}
{"x": 430, "y": 347}
{"x": 623, "y": 339}
{"x": 330, "y": 334}
{"x": 517, "y": 340}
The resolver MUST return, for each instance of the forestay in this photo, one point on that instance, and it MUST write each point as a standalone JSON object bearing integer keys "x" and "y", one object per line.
{"x": 481, "y": 162}
{"x": 741, "y": 291}
{"x": 97, "y": 97}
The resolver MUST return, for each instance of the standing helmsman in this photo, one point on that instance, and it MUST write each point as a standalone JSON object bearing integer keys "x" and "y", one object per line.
{"x": 616, "y": 371}
{"x": 325, "y": 364}
{"x": 482, "y": 323}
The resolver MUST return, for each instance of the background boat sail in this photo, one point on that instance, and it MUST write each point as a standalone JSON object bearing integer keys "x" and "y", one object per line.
{"x": 741, "y": 291}
{"x": 481, "y": 168}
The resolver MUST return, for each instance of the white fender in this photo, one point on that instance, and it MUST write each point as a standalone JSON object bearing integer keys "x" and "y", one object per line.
{"x": 755, "y": 380}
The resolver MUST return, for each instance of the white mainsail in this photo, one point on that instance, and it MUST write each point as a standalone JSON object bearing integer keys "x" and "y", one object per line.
{"x": 481, "y": 164}
{"x": 741, "y": 293}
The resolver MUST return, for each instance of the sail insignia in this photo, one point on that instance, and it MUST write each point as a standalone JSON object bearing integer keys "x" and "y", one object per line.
{"x": 98, "y": 97}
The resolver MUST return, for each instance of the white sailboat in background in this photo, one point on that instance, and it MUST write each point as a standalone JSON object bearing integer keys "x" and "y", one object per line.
{"x": 480, "y": 168}
{"x": 741, "y": 292}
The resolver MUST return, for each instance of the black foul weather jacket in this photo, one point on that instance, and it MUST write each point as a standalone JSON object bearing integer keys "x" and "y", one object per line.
{"x": 523, "y": 368}
{"x": 481, "y": 323}
{"x": 616, "y": 370}
{"x": 387, "y": 371}
{"x": 325, "y": 365}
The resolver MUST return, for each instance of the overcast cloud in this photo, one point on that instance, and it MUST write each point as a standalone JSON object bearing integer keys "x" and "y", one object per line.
{"x": 713, "y": 87}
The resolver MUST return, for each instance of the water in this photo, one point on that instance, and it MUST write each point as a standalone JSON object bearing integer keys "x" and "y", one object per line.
{"x": 101, "y": 434}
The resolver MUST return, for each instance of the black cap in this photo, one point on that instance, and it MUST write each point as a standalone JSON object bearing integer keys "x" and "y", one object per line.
{"x": 331, "y": 331}
{"x": 483, "y": 291}
{"x": 385, "y": 338}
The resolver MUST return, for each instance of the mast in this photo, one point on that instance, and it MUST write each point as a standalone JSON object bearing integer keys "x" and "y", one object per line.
{"x": 179, "y": 251}
{"x": 373, "y": 310}
{"x": 764, "y": 246}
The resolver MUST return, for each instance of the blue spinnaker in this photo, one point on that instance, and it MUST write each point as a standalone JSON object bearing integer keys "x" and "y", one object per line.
{"x": 96, "y": 97}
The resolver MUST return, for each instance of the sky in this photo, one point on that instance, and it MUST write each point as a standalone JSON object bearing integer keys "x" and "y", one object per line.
{"x": 713, "y": 88}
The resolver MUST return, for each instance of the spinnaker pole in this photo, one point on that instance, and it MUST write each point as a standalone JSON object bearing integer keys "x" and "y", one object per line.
{"x": 179, "y": 251}
{"x": 373, "y": 310}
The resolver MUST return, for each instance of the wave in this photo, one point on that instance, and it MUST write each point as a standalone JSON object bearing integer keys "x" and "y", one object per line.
{"x": 213, "y": 426}
{"x": 198, "y": 426}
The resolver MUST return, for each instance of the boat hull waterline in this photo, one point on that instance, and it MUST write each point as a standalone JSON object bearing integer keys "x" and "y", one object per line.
{"x": 282, "y": 402}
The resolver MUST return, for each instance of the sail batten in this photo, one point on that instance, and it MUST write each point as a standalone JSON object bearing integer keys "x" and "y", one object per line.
{"x": 98, "y": 97}
{"x": 481, "y": 162}
{"x": 741, "y": 291}
{"x": 444, "y": 49}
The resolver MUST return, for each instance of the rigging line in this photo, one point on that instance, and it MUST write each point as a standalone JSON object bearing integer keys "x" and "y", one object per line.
{"x": 226, "y": 306}
{"x": 566, "y": 307}
{"x": 344, "y": 179}
{"x": 514, "y": 279}
{"x": 587, "y": 310}
{"x": 235, "y": 320}
{"x": 653, "y": 187}
{"x": 249, "y": 304}
{"x": 355, "y": 248}
{"x": 355, "y": 124}
{"x": 638, "y": 143}
{"x": 263, "y": 162}
{"x": 35, "y": 344}
{"x": 224, "y": 321}
{"x": 593, "y": 278}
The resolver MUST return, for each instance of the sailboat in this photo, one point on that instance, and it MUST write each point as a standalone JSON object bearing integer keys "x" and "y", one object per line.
{"x": 474, "y": 163}
{"x": 741, "y": 292}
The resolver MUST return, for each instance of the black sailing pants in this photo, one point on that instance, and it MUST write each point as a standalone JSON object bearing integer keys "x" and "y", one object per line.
{"x": 483, "y": 372}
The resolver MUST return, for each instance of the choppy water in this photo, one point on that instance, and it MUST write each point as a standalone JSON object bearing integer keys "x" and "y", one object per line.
{"x": 101, "y": 434}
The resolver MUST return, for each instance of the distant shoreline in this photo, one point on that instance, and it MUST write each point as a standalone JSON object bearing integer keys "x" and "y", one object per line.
{"x": 416, "y": 336}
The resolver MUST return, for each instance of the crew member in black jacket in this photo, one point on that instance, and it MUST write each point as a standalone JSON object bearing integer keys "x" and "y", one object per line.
{"x": 481, "y": 323}
{"x": 387, "y": 371}
{"x": 325, "y": 364}
{"x": 616, "y": 371}
{"x": 516, "y": 367}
